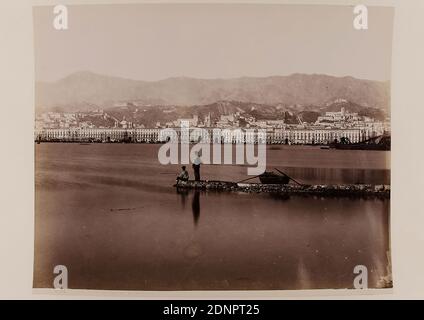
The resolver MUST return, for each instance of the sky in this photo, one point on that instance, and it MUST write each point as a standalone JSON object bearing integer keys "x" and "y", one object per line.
{"x": 157, "y": 41}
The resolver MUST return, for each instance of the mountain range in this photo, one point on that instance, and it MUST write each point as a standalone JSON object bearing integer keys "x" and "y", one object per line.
{"x": 84, "y": 90}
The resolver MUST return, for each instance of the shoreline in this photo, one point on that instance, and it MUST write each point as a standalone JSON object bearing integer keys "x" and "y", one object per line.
{"x": 273, "y": 146}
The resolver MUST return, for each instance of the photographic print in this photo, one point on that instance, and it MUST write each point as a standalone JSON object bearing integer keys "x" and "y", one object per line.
{"x": 212, "y": 147}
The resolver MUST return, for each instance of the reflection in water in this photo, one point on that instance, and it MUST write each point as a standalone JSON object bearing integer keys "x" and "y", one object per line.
{"x": 245, "y": 241}
{"x": 303, "y": 275}
{"x": 183, "y": 195}
{"x": 338, "y": 175}
{"x": 279, "y": 196}
{"x": 195, "y": 206}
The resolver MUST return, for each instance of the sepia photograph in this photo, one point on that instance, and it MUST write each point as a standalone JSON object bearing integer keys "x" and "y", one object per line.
{"x": 212, "y": 147}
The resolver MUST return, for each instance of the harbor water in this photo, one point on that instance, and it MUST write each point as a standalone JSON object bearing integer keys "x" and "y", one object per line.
{"x": 109, "y": 213}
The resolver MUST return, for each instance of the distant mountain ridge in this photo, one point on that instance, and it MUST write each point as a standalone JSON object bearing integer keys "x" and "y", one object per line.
{"x": 89, "y": 88}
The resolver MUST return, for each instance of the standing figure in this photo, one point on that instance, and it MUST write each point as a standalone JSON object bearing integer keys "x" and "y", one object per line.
{"x": 196, "y": 167}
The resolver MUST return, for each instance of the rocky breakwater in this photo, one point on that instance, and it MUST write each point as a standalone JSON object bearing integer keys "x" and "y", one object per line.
{"x": 364, "y": 190}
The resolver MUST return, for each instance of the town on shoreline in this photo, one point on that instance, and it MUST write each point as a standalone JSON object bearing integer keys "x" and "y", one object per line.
{"x": 330, "y": 128}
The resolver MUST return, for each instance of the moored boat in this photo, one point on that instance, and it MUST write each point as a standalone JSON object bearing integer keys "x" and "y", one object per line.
{"x": 269, "y": 177}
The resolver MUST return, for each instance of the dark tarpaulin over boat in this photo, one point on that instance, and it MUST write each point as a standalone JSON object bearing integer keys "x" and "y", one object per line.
{"x": 273, "y": 178}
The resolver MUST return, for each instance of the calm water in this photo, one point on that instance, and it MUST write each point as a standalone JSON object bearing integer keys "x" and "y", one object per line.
{"x": 110, "y": 214}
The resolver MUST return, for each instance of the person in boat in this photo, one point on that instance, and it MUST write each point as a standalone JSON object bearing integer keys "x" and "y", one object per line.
{"x": 196, "y": 167}
{"x": 183, "y": 176}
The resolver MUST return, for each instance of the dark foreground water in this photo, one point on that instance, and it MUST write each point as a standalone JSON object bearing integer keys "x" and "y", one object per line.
{"x": 110, "y": 214}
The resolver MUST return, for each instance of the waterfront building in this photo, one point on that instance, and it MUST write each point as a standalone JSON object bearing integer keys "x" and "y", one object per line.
{"x": 208, "y": 121}
{"x": 276, "y": 123}
{"x": 339, "y": 116}
{"x": 99, "y": 134}
{"x": 230, "y": 135}
{"x": 317, "y": 136}
{"x": 193, "y": 122}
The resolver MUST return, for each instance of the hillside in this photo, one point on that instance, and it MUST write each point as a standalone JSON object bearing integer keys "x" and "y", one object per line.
{"x": 150, "y": 115}
{"x": 82, "y": 89}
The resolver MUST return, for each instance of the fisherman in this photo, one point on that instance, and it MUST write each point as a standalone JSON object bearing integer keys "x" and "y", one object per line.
{"x": 196, "y": 167}
{"x": 183, "y": 176}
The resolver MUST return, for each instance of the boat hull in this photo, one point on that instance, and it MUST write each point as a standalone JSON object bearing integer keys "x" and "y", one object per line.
{"x": 272, "y": 178}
